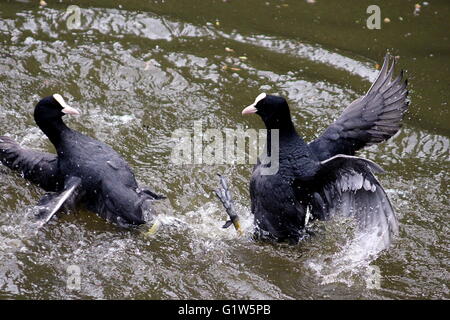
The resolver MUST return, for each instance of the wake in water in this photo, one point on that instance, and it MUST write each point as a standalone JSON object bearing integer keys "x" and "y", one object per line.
{"x": 346, "y": 254}
{"x": 337, "y": 252}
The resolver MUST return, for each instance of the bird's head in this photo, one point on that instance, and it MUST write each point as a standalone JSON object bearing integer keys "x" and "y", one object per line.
{"x": 52, "y": 108}
{"x": 273, "y": 110}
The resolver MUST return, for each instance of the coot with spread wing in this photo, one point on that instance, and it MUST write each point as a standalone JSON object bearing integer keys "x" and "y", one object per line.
{"x": 83, "y": 172}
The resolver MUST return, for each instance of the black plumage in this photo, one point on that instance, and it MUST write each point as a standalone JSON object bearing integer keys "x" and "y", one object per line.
{"x": 373, "y": 118}
{"x": 323, "y": 179}
{"x": 83, "y": 172}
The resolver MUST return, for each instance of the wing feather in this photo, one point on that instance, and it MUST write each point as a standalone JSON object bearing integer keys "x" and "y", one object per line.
{"x": 370, "y": 119}
{"x": 40, "y": 168}
{"x": 346, "y": 186}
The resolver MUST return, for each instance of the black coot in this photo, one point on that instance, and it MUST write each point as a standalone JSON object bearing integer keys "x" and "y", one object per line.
{"x": 323, "y": 178}
{"x": 84, "y": 171}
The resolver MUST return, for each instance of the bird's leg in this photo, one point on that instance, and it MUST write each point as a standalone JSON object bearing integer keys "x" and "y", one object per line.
{"x": 153, "y": 229}
{"x": 224, "y": 195}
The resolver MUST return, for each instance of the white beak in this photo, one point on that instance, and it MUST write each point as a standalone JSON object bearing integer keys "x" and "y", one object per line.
{"x": 71, "y": 111}
{"x": 66, "y": 108}
{"x": 252, "y": 108}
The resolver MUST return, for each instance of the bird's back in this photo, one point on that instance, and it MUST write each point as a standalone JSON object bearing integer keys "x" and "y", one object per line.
{"x": 93, "y": 161}
{"x": 109, "y": 185}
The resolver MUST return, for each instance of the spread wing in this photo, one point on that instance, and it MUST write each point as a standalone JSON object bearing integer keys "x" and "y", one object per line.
{"x": 346, "y": 186}
{"x": 370, "y": 119}
{"x": 40, "y": 168}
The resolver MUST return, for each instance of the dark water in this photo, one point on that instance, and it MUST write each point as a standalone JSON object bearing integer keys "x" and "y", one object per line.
{"x": 141, "y": 70}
